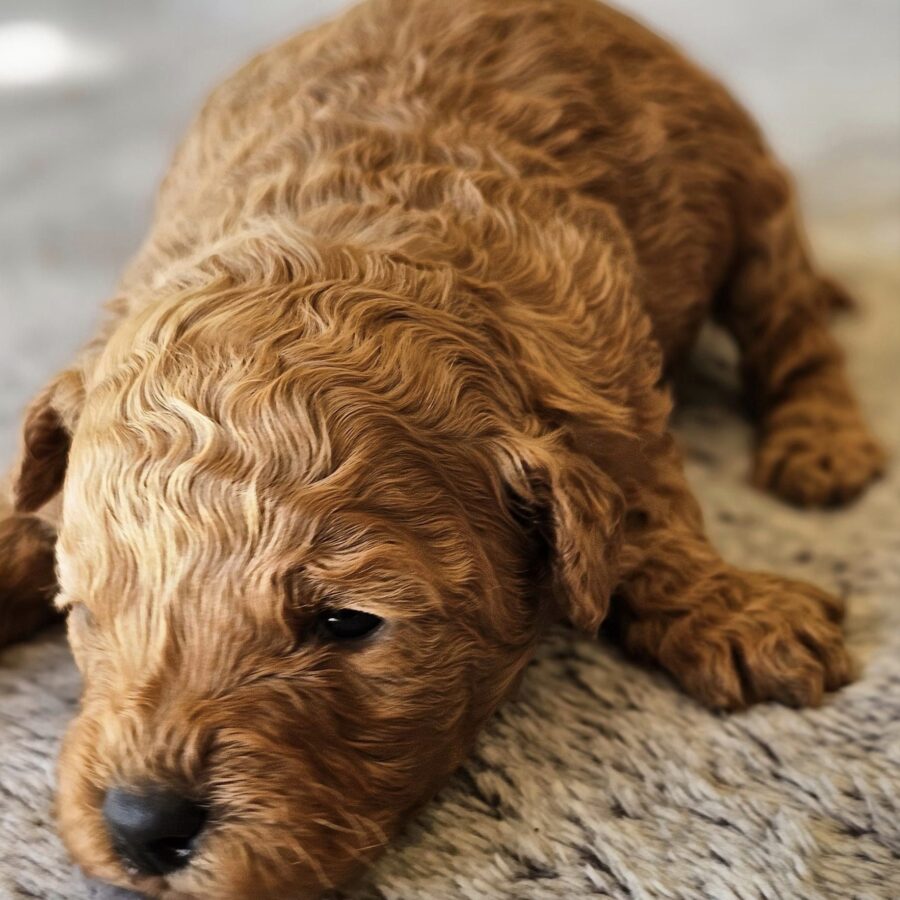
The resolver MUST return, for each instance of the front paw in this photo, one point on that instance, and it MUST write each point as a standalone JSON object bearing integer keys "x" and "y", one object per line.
{"x": 814, "y": 461}
{"x": 753, "y": 637}
{"x": 27, "y": 577}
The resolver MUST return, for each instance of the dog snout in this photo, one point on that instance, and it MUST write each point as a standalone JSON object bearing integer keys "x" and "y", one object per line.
{"x": 155, "y": 830}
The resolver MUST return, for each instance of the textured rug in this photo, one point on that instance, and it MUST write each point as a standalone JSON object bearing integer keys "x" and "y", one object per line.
{"x": 601, "y": 779}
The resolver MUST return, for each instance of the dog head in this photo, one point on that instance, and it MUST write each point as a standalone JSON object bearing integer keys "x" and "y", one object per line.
{"x": 300, "y": 534}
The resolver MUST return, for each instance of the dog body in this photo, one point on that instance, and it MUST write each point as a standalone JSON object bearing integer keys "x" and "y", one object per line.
{"x": 395, "y": 346}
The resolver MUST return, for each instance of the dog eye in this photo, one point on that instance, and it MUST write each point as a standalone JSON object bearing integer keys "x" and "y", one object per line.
{"x": 347, "y": 624}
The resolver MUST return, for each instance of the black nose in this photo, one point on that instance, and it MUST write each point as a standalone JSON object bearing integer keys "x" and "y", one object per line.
{"x": 154, "y": 829}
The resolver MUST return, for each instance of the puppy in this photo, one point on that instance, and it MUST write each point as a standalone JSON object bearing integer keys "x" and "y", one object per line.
{"x": 380, "y": 398}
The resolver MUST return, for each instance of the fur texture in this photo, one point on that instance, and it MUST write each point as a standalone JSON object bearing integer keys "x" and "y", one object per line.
{"x": 396, "y": 343}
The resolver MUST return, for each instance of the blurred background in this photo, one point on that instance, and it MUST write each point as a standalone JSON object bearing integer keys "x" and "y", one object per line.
{"x": 94, "y": 95}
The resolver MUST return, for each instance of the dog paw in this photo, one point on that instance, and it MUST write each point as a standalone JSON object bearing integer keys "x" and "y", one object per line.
{"x": 817, "y": 463}
{"x": 27, "y": 577}
{"x": 755, "y": 637}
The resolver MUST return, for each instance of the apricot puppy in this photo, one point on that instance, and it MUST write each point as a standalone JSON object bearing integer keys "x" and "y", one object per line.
{"x": 379, "y": 399}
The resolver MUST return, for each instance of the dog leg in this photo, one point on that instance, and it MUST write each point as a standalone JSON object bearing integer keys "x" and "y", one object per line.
{"x": 729, "y": 637}
{"x": 27, "y": 577}
{"x": 814, "y": 447}
{"x": 27, "y": 574}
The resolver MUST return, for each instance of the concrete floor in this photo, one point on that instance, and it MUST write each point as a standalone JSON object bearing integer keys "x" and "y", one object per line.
{"x": 95, "y": 93}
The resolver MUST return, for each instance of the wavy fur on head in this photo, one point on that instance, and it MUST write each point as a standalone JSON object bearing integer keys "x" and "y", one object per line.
{"x": 396, "y": 343}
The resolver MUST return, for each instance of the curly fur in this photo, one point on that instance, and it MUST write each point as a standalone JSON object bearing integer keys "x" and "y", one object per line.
{"x": 396, "y": 342}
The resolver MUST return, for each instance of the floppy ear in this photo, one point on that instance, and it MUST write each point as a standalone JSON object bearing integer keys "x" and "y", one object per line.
{"x": 578, "y": 510}
{"x": 46, "y": 435}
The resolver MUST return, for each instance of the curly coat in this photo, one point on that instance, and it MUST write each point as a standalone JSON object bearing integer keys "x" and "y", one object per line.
{"x": 396, "y": 342}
